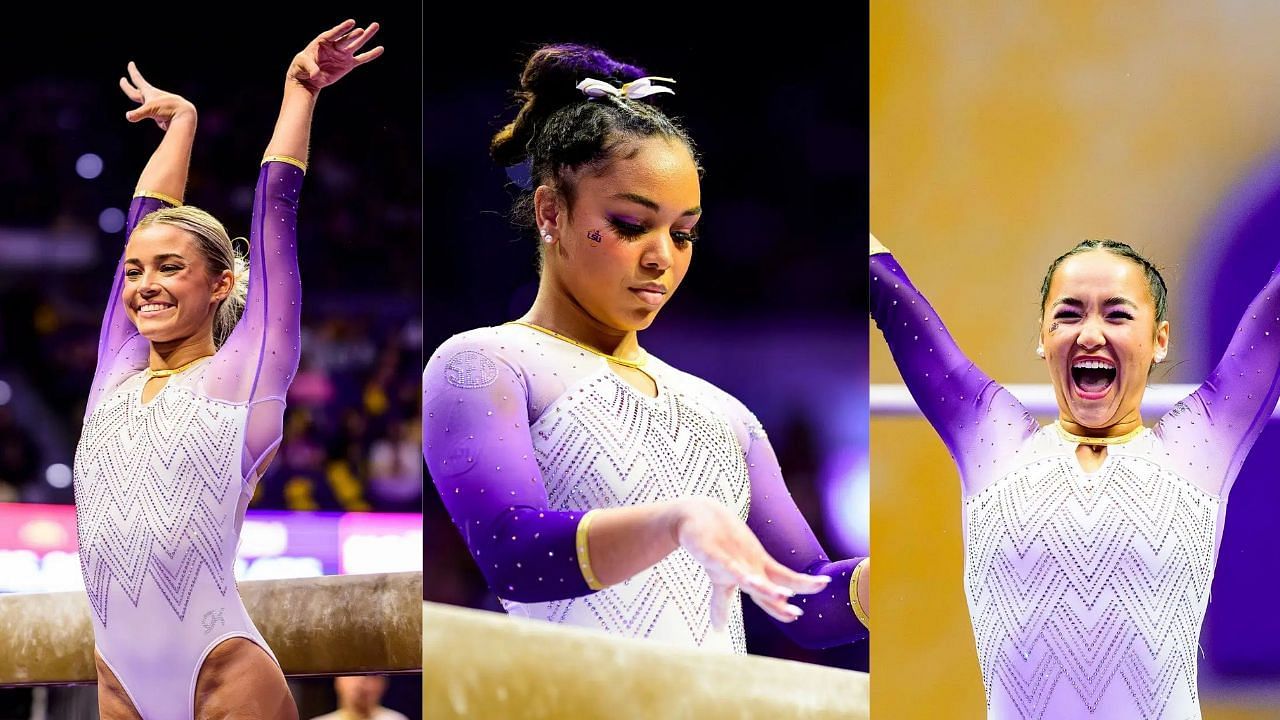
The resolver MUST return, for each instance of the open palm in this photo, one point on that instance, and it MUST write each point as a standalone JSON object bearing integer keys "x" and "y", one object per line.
{"x": 154, "y": 103}
{"x": 333, "y": 54}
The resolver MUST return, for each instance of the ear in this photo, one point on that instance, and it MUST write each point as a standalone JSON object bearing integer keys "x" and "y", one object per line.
{"x": 1162, "y": 341}
{"x": 222, "y": 286}
{"x": 548, "y": 210}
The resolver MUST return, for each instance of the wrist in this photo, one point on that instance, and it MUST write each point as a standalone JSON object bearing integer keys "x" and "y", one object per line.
{"x": 675, "y": 514}
{"x": 860, "y": 592}
{"x": 293, "y": 86}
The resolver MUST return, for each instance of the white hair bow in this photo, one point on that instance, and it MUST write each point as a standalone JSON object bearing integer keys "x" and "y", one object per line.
{"x": 634, "y": 90}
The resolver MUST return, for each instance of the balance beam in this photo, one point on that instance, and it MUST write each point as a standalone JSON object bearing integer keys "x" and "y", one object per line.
{"x": 488, "y": 665}
{"x": 335, "y": 625}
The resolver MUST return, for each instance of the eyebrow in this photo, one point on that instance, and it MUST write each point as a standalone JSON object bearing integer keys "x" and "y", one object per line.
{"x": 158, "y": 258}
{"x": 1117, "y": 300}
{"x": 642, "y": 200}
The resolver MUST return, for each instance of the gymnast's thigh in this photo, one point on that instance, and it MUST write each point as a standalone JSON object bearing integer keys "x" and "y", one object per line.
{"x": 240, "y": 681}
{"x": 113, "y": 702}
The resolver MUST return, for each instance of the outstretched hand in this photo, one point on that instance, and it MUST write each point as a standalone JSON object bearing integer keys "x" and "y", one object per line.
{"x": 734, "y": 558}
{"x": 332, "y": 55}
{"x": 154, "y": 103}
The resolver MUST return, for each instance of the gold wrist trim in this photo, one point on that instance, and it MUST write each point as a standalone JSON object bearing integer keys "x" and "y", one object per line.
{"x": 584, "y": 555}
{"x": 158, "y": 196}
{"x": 285, "y": 159}
{"x": 863, "y": 616}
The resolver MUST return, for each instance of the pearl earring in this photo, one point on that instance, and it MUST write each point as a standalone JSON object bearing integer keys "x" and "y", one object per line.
{"x": 1040, "y": 352}
{"x": 548, "y": 239}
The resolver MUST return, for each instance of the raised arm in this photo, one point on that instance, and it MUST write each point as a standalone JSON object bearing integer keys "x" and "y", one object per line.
{"x": 477, "y": 445}
{"x": 977, "y": 419}
{"x": 324, "y": 61}
{"x": 1230, "y": 409}
{"x": 258, "y": 361}
{"x": 121, "y": 350}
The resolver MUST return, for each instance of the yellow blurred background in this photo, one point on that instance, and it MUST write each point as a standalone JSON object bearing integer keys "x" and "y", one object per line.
{"x": 1002, "y": 133}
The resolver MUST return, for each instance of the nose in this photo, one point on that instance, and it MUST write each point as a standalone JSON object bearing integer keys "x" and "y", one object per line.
{"x": 1091, "y": 335}
{"x": 659, "y": 254}
{"x": 147, "y": 286}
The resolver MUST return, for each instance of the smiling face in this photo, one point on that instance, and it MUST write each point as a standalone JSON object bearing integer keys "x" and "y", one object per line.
{"x": 625, "y": 246}
{"x": 169, "y": 292}
{"x": 1100, "y": 336}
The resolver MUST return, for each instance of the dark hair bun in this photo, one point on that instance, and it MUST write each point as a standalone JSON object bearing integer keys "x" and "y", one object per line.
{"x": 547, "y": 84}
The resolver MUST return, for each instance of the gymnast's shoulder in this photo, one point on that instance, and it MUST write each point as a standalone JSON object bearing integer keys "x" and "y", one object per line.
{"x": 479, "y": 347}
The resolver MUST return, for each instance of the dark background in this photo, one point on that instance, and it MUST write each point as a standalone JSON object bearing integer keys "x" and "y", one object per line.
{"x": 772, "y": 307}
{"x": 359, "y": 238}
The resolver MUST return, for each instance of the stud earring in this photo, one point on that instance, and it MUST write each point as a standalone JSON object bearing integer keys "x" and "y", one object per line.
{"x": 1040, "y": 352}
{"x": 548, "y": 239}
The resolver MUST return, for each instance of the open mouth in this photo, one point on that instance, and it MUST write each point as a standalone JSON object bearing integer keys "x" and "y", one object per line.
{"x": 1093, "y": 377}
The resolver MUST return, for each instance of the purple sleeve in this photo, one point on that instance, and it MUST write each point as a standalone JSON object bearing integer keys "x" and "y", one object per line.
{"x": 977, "y": 419}
{"x": 475, "y": 437}
{"x": 1230, "y": 409}
{"x": 121, "y": 350}
{"x": 258, "y": 360}
{"x": 828, "y": 617}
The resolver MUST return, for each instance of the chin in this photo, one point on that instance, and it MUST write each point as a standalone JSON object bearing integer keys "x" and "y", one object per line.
{"x": 635, "y": 320}
{"x": 1093, "y": 418}
{"x": 160, "y": 334}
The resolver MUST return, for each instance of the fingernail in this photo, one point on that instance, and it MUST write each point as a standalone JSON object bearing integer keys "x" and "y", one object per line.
{"x": 788, "y": 591}
{"x": 823, "y": 578}
{"x": 795, "y": 611}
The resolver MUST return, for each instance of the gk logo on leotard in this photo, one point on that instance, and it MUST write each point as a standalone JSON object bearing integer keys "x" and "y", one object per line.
{"x": 212, "y": 619}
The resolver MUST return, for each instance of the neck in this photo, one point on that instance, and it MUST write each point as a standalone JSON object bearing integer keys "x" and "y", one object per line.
{"x": 1126, "y": 425}
{"x": 555, "y": 310}
{"x": 176, "y": 353}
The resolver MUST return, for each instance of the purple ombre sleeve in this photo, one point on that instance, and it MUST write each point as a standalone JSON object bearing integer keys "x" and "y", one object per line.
{"x": 977, "y": 419}
{"x": 1211, "y": 431}
{"x": 828, "y": 615}
{"x": 121, "y": 350}
{"x": 475, "y": 437}
{"x": 257, "y": 362}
